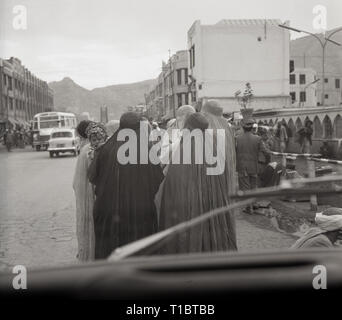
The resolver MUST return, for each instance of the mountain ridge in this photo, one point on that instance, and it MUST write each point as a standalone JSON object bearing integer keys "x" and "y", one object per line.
{"x": 71, "y": 97}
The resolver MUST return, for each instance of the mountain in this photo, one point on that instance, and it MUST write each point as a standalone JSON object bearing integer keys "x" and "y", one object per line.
{"x": 307, "y": 52}
{"x": 70, "y": 97}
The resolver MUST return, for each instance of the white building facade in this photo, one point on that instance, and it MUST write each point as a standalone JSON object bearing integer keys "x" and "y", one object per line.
{"x": 225, "y": 56}
{"x": 303, "y": 87}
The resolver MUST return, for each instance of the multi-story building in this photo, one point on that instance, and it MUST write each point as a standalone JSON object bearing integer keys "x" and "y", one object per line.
{"x": 22, "y": 94}
{"x": 171, "y": 90}
{"x": 303, "y": 87}
{"x": 227, "y": 55}
{"x": 306, "y": 52}
{"x": 332, "y": 80}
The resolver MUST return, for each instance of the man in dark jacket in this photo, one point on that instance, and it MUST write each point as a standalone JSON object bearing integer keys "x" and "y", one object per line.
{"x": 248, "y": 147}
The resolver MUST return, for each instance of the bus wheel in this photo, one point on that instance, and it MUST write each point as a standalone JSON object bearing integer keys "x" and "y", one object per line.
{"x": 57, "y": 154}
{"x": 51, "y": 154}
{"x": 37, "y": 148}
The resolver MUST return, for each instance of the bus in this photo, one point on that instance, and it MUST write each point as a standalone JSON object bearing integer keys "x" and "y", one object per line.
{"x": 44, "y": 123}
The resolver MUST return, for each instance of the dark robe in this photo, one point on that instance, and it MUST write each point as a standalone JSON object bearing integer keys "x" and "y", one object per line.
{"x": 188, "y": 192}
{"x": 124, "y": 209}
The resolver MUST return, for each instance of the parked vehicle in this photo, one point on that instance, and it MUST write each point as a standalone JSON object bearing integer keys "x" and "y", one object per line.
{"x": 63, "y": 140}
{"x": 44, "y": 123}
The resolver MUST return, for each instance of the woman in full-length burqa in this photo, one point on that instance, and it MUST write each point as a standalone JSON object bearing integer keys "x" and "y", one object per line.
{"x": 92, "y": 135}
{"x": 189, "y": 191}
{"x": 124, "y": 209}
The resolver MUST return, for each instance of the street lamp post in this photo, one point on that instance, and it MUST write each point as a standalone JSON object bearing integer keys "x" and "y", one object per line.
{"x": 323, "y": 45}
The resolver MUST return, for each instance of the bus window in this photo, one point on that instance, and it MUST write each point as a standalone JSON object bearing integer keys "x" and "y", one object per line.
{"x": 62, "y": 122}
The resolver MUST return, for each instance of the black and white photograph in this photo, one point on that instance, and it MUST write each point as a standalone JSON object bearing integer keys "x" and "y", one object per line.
{"x": 170, "y": 150}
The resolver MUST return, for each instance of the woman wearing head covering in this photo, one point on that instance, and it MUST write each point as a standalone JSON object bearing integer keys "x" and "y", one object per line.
{"x": 174, "y": 133}
{"x": 214, "y": 114}
{"x": 84, "y": 192}
{"x": 327, "y": 232}
{"x": 124, "y": 210}
{"x": 189, "y": 192}
{"x": 81, "y": 131}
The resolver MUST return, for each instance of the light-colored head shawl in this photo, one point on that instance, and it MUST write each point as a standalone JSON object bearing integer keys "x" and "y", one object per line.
{"x": 328, "y": 220}
{"x": 182, "y": 114}
{"x": 185, "y": 110}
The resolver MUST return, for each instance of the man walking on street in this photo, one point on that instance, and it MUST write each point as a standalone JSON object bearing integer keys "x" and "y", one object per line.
{"x": 248, "y": 147}
{"x": 282, "y": 136}
{"x": 9, "y": 138}
{"x": 305, "y": 137}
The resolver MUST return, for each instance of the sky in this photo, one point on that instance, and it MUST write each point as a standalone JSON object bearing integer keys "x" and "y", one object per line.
{"x": 105, "y": 42}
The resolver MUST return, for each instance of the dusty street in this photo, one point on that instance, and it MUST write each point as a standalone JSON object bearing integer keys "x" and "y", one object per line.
{"x": 37, "y": 221}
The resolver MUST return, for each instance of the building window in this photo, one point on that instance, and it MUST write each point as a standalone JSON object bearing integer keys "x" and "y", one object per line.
{"x": 186, "y": 75}
{"x": 293, "y": 96}
{"x": 302, "y": 97}
{"x": 5, "y": 79}
{"x": 291, "y": 66}
{"x": 326, "y": 80}
{"x": 326, "y": 96}
{"x": 292, "y": 79}
{"x": 11, "y": 104}
{"x": 193, "y": 96}
{"x": 9, "y": 83}
{"x": 302, "y": 79}
{"x": 179, "y": 77}
{"x": 179, "y": 98}
{"x": 192, "y": 56}
{"x": 337, "y": 83}
{"x": 187, "y": 98}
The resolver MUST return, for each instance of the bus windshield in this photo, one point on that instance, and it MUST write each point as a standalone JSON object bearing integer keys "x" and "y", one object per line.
{"x": 48, "y": 124}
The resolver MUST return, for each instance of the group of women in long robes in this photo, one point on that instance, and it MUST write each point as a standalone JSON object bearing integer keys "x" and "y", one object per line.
{"x": 121, "y": 197}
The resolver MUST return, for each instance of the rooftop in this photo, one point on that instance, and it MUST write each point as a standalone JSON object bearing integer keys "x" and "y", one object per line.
{"x": 249, "y": 22}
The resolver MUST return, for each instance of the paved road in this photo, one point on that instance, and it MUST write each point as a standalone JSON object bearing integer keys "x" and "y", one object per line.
{"x": 37, "y": 212}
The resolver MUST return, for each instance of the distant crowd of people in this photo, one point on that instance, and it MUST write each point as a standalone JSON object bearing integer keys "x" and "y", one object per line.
{"x": 118, "y": 203}
{"x": 16, "y": 138}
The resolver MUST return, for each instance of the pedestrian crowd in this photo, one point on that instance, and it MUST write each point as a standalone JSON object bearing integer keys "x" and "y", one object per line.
{"x": 118, "y": 203}
{"x": 16, "y": 138}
